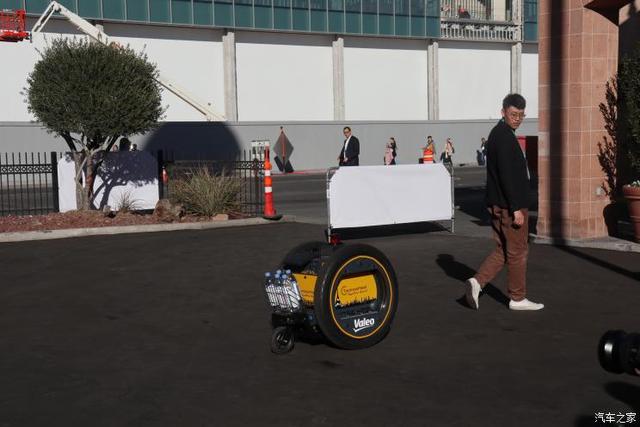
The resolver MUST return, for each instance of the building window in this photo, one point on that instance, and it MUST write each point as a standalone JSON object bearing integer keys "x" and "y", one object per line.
{"x": 319, "y": 15}
{"x": 282, "y": 14}
{"x": 264, "y": 14}
{"x": 223, "y": 13}
{"x": 202, "y": 12}
{"x": 353, "y": 16}
{"x": 370, "y": 16}
{"x": 402, "y": 17}
{"x": 301, "y": 15}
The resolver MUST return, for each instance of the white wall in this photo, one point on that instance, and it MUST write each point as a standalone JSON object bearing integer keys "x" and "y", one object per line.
{"x": 289, "y": 77}
{"x": 284, "y": 77}
{"x": 530, "y": 78}
{"x": 18, "y": 60}
{"x": 385, "y": 79}
{"x": 473, "y": 79}
{"x": 190, "y": 58}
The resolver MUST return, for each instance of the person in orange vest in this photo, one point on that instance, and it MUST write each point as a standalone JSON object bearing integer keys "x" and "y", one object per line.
{"x": 429, "y": 152}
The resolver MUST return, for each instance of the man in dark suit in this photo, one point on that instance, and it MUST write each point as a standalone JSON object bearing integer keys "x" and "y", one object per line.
{"x": 507, "y": 198}
{"x": 349, "y": 155}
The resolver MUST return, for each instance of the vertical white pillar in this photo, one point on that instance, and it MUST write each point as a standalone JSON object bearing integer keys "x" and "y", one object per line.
{"x": 230, "y": 81}
{"x": 433, "y": 102}
{"x": 516, "y": 68}
{"x": 338, "y": 79}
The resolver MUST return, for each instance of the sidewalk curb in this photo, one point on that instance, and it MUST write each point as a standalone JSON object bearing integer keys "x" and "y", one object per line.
{"x": 26, "y": 236}
{"x": 606, "y": 243}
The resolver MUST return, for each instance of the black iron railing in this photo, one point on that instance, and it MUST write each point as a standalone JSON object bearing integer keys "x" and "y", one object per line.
{"x": 28, "y": 183}
{"x": 249, "y": 171}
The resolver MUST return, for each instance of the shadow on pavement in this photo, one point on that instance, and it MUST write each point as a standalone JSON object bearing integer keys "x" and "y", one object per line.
{"x": 616, "y": 269}
{"x": 388, "y": 230}
{"x": 462, "y": 272}
{"x": 625, "y": 393}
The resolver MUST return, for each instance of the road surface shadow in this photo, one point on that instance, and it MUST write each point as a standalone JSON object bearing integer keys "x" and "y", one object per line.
{"x": 462, "y": 272}
{"x": 390, "y": 230}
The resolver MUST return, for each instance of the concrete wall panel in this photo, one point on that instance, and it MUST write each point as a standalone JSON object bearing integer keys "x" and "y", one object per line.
{"x": 473, "y": 79}
{"x": 385, "y": 79}
{"x": 284, "y": 77}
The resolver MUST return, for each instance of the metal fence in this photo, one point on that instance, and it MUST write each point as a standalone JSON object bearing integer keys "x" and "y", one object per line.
{"x": 248, "y": 169}
{"x": 28, "y": 183}
{"x": 479, "y": 31}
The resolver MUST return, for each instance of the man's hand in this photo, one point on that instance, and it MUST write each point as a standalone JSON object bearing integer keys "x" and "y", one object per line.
{"x": 518, "y": 218}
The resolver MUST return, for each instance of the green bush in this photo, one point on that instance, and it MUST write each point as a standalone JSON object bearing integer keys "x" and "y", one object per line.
{"x": 629, "y": 85}
{"x": 208, "y": 195}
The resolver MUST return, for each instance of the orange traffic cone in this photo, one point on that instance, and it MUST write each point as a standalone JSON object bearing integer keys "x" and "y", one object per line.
{"x": 165, "y": 176}
{"x": 269, "y": 210}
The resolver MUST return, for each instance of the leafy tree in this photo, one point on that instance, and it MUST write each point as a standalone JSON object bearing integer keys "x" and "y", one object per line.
{"x": 91, "y": 95}
{"x": 629, "y": 85}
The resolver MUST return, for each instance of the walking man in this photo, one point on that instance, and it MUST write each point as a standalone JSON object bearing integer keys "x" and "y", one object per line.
{"x": 349, "y": 155}
{"x": 507, "y": 197}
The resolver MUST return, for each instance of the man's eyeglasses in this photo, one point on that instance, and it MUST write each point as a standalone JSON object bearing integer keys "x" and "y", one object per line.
{"x": 517, "y": 116}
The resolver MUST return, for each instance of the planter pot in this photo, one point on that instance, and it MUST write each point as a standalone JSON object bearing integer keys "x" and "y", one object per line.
{"x": 632, "y": 194}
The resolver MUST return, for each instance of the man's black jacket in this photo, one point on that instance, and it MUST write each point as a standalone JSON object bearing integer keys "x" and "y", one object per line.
{"x": 507, "y": 177}
{"x": 352, "y": 154}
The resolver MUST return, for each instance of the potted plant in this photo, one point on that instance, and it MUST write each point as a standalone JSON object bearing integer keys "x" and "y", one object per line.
{"x": 629, "y": 92}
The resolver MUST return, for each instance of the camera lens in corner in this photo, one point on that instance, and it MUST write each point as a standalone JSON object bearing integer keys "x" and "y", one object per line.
{"x": 619, "y": 352}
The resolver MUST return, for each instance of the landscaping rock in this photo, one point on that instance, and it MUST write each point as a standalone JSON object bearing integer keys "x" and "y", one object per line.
{"x": 167, "y": 211}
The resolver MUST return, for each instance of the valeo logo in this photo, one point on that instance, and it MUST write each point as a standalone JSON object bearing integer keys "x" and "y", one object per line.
{"x": 363, "y": 323}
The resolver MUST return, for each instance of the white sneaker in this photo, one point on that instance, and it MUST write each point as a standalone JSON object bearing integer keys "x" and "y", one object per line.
{"x": 525, "y": 304}
{"x": 473, "y": 292}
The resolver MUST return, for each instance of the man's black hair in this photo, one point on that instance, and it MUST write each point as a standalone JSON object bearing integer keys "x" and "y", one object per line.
{"x": 346, "y": 128}
{"x": 514, "y": 100}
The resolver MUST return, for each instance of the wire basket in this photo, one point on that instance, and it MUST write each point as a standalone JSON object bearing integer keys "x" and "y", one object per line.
{"x": 284, "y": 297}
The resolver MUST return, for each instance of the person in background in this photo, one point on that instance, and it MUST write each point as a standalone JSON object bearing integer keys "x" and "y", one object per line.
{"x": 482, "y": 152}
{"x": 429, "y": 151}
{"x": 350, "y": 153}
{"x": 507, "y": 198}
{"x": 134, "y": 147}
{"x": 125, "y": 144}
{"x": 447, "y": 154}
{"x": 390, "y": 152}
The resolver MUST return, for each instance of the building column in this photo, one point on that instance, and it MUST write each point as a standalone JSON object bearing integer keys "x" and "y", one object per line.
{"x": 516, "y": 68}
{"x": 230, "y": 81}
{"x": 433, "y": 102}
{"x": 578, "y": 54}
{"x": 338, "y": 79}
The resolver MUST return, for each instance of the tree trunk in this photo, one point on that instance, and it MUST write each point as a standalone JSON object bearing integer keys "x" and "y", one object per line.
{"x": 90, "y": 172}
{"x": 78, "y": 158}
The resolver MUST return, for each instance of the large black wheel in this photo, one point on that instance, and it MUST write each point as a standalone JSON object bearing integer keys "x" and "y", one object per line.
{"x": 356, "y": 296}
{"x": 282, "y": 340}
{"x": 302, "y": 255}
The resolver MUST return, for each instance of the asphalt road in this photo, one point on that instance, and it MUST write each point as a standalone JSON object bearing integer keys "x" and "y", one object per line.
{"x": 171, "y": 329}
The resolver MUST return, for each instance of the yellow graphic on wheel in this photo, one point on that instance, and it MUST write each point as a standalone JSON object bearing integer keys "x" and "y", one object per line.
{"x": 386, "y": 281}
{"x": 356, "y": 290}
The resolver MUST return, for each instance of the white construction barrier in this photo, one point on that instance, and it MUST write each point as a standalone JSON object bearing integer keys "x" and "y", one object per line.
{"x": 124, "y": 176}
{"x": 364, "y": 196}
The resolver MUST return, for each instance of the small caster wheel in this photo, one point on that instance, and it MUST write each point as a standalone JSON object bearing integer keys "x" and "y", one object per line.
{"x": 282, "y": 340}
